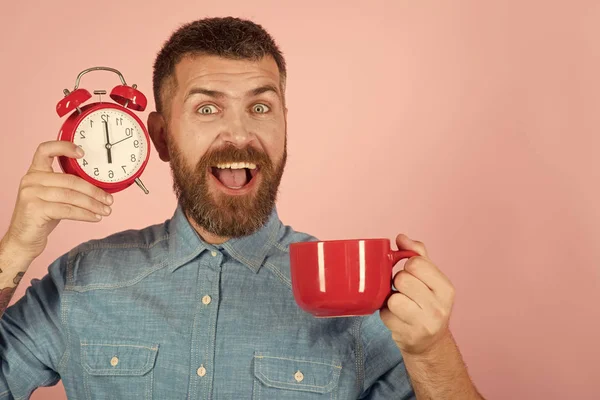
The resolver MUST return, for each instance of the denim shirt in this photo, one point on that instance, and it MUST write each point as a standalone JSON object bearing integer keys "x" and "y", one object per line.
{"x": 158, "y": 313}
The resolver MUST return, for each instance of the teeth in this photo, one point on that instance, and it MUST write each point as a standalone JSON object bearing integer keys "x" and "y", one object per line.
{"x": 237, "y": 165}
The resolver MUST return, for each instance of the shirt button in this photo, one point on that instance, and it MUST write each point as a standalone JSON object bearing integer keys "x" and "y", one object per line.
{"x": 206, "y": 300}
{"x": 299, "y": 376}
{"x": 201, "y": 371}
{"x": 213, "y": 253}
{"x": 114, "y": 361}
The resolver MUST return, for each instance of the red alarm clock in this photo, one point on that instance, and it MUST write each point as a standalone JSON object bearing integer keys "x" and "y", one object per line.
{"x": 115, "y": 141}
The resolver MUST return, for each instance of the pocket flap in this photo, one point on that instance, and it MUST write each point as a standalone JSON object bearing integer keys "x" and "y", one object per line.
{"x": 117, "y": 358}
{"x": 293, "y": 373}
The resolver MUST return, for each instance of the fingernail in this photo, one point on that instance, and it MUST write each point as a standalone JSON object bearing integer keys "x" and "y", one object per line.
{"x": 98, "y": 216}
{"x": 79, "y": 151}
{"x": 106, "y": 210}
{"x": 109, "y": 199}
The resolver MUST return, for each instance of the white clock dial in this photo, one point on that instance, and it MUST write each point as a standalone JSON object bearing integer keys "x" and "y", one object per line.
{"x": 114, "y": 143}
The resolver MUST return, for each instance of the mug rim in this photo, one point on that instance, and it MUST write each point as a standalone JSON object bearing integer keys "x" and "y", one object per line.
{"x": 312, "y": 242}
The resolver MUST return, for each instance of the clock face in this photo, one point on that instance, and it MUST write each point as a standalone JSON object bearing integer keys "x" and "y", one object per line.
{"x": 114, "y": 143}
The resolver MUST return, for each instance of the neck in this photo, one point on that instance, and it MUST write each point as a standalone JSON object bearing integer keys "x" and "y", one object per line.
{"x": 208, "y": 237}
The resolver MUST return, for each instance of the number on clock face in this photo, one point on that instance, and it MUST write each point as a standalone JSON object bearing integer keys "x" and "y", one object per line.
{"x": 114, "y": 144}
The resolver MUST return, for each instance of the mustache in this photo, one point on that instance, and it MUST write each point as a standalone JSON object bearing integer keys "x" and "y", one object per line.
{"x": 232, "y": 154}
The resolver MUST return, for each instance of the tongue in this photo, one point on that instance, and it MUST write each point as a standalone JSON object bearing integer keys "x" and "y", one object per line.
{"x": 232, "y": 178}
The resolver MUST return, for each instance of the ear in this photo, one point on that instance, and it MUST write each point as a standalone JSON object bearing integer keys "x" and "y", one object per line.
{"x": 157, "y": 128}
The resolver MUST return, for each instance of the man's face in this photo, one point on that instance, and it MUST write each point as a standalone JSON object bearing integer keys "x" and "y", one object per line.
{"x": 226, "y": 137}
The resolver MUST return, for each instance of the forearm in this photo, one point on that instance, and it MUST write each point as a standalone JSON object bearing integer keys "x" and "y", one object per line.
{"x": 441, "y": 373}
{"x": 12, "y": 267}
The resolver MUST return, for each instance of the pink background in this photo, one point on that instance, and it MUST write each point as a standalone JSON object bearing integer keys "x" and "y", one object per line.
{"x": 472, "y": 127}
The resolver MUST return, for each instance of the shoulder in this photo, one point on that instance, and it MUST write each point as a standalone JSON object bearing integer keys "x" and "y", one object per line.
{"x": 288, "y": 235}
{"x": 277, "y": 259}
{"x": 118, "y": 259}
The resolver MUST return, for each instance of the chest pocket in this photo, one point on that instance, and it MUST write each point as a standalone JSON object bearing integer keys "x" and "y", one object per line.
{"x": 118, "y": 369}
{"x": 294, "y": 378}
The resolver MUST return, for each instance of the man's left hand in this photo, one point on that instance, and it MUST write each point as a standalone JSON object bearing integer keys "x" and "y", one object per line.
{"x": 419, "y": 313}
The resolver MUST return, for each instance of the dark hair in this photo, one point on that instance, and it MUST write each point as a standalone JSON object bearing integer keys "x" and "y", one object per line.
{"x": 226, "y": 37}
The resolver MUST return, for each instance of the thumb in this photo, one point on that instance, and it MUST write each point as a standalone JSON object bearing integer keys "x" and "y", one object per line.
{"x": 405, "y": 243}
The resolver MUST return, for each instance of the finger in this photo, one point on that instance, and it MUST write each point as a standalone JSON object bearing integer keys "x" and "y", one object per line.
{"x": 393, "y": 322}
{"x": 52, "y": 179}
{"x": 47, "y": 151}
{"x": 431, "y": 276}
{"x": 405, "y": 243}
{"x": 414, "y": 289}
{"x": 404, "y": 308}
{"x": 72, "y": 197}
{"x": 59, "y": 211}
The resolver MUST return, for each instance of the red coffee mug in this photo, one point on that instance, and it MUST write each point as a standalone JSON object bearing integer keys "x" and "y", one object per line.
{"x": 341, "y": 278}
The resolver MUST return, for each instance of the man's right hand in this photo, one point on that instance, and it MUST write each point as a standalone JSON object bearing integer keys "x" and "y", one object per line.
{"x": 46, "y": 197}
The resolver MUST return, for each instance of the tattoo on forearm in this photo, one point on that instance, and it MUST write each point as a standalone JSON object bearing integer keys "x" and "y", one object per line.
{"x": 18, "y": 278}
{"x": 5, "y": 296}
{"x": 7, "y": 293}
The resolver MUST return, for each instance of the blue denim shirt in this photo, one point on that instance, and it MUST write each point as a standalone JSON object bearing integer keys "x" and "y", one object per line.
{"x": 158, "y": 313}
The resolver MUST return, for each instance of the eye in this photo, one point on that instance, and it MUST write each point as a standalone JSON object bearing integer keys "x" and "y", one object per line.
{"x": 208, "y": 109}
{"x": 260, "y": 108}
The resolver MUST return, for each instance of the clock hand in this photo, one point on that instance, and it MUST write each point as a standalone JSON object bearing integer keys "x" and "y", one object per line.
{"x": 128, "y": 137}
{"x": 108, "y": 145}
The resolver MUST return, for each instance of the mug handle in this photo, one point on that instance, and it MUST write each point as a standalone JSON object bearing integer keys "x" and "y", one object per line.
{"x": 397, "y": 255}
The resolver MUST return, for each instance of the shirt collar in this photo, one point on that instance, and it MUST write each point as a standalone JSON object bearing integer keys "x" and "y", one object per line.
{"x": 185, "y": 244}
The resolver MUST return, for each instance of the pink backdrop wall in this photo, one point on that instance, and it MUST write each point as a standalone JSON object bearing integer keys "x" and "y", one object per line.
{"x": 474, "y": 127}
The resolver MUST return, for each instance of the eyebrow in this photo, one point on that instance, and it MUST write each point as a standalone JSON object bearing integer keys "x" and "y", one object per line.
{"x": 263, "y": 89}
{"x": 218, "y": 95}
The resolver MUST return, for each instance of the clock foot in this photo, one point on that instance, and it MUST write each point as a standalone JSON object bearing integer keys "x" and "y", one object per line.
{"x": 141, "y": 185}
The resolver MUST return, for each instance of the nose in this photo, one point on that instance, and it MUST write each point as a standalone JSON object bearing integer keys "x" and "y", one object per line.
{"x": 236, "y": 130}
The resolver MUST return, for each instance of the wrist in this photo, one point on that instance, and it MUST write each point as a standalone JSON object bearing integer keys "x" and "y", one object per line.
{"x": 11, "y": 250}
{"x": 440, "y": 367}
{"x": 439, "y": 349}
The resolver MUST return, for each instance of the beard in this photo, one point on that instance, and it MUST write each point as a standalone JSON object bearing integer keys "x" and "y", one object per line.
{"x": 218, "y": 213}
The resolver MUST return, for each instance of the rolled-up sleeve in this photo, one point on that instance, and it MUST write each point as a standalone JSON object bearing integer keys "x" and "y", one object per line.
{"x": 385, "y": 376}
{"x": 32, "y": 340}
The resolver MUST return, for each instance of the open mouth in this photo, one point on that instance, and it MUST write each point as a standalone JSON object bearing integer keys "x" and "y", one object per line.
{"x": 235, "y": 176}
